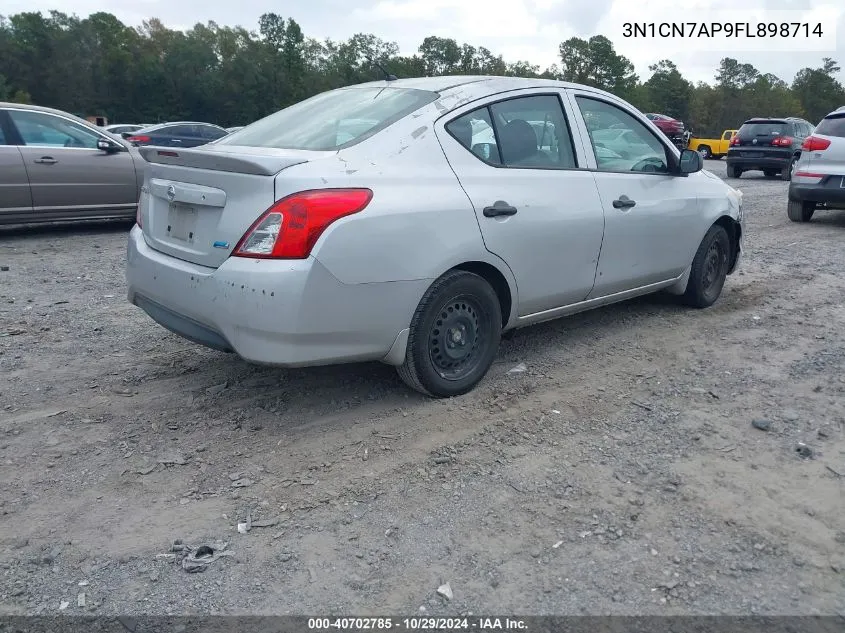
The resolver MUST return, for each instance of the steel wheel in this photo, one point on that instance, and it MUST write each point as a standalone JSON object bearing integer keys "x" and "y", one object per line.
{"x": 454, "y": 336}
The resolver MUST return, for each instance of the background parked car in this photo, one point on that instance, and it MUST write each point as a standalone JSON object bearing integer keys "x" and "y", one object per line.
{"x": 120, "y": 128}
{"x": 819, "y": 176}
{"x": 673, "y": 128}
{"x": 177, "y": 134}
{"x": 769, "y": 145}
{"x": 55, "y": 166}
{"x": 314, "y": 245}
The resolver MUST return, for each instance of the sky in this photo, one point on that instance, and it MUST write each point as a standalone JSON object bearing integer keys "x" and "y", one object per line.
{"x": 530, "y": 30}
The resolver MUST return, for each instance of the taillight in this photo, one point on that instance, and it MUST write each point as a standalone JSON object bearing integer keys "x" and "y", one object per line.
{"x": 782, "y": 141}
{"x": 815, "y": 144}
{"x": 735, "y": 140}
{"x": 139, "y": 139}
{"x": 290, "y": 228}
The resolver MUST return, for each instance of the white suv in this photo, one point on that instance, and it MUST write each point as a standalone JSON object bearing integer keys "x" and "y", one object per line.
{"x": 819, "y": 176}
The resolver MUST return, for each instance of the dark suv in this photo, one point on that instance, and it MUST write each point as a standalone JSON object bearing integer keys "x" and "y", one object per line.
{"x": 768, "y": 145}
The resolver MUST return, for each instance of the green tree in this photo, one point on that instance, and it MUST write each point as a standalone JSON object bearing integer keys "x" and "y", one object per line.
{"x": 667, "y": 92}
{"x": 818, "y": 90}
{"x": 594, "y": 62}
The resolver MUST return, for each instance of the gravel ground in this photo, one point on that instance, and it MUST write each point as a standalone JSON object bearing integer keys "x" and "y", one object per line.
{"x": 622, "y": 473}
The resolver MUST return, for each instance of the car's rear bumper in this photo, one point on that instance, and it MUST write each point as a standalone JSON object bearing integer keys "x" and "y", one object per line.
{"x": 763, "y": 162}
{"x": 285, "y": 313}
{"x": 830, "y": 190}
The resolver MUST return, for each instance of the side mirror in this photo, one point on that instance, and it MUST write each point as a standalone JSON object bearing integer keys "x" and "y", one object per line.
{"x": 690, "y": 162}
{"x": 107, "y": 146}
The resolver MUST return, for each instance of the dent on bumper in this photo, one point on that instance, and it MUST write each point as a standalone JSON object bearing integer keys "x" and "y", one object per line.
{"x": 289, "y": 314}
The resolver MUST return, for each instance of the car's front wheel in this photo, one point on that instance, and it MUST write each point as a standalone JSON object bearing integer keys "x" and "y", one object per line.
{"x": 454, "y": 337}
{"x": 798, "y": 211}
{"x": 709, "y": 268}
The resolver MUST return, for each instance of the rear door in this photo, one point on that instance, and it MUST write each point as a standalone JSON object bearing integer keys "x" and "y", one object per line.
{"x": 15, "y": 197}
{"x": 67, "y": 173}
{"x": 651, "y": 217}
{"x": 537, "y": 207}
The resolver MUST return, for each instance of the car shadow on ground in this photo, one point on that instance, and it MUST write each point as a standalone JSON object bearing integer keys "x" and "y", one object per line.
{"x": 380, "y": 381}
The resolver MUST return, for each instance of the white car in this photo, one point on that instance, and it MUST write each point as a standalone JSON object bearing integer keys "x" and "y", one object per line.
{"x": 414, "y": 221}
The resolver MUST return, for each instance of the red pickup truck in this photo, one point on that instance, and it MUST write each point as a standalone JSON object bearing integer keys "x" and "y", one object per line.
{"x": 672, "y": 128}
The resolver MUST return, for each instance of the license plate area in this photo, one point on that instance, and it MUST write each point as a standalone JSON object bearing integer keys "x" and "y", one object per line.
{"x": 752, "y": 154}
{"x": 181, "y": 221}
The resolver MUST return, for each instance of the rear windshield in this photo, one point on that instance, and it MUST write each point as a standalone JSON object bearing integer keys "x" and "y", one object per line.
{"x": 331, "y": 120}
{"x": 764, "y": 129}
{"x": 832, "y": 126}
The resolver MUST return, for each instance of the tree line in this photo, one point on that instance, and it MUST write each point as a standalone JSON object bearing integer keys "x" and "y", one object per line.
{"x": 232, "y": 76}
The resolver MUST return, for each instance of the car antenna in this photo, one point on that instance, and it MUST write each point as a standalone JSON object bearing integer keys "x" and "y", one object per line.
{"x": 387, "y": 75}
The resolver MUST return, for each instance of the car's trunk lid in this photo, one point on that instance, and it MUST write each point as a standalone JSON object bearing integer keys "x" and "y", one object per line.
{"x": 197, "y": 203}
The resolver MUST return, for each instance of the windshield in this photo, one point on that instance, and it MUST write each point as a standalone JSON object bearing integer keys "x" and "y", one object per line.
{"x": 764, "y": 129}
{"x": 331, "y": 120}
{"x": 832, "y": 126}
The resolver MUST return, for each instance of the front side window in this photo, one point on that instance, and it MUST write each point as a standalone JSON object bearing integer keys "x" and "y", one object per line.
{"x": 727, "y": 136}
{"x": 620, "y": 141}
{"x": 331, "y": 120}
{"x": 526, "y": 132}
{"x": 39, "y": 129}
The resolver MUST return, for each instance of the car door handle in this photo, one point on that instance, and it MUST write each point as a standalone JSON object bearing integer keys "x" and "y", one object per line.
{"x": 499, "y": 208}
{"x": 46, "y": 160}
{"x": 624, "y": 202}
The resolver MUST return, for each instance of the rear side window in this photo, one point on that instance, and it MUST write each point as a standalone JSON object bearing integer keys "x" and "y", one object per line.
{"x": 766, "y": 128}
{"x": 332, "y": 120}
{"x": 832, "y": 126}
{"x": 526, "y": 132}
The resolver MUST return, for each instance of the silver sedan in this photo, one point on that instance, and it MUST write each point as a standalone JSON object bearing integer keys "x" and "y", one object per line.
{"x": 415, "y": 221}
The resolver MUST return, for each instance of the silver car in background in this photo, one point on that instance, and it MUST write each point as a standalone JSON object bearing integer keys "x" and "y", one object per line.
{"x": 57, "y": 167}
{"x": 414, "y": 221}
{"x": 818, "y": 179}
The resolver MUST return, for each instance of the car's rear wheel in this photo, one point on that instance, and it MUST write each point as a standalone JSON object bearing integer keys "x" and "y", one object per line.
{"x": 786, "y": 172}
{"x": 454, "y": 337}
{"x": 800, "y": 211}
{"x": 734, "y": 171}
{"x": 709, "y": 268}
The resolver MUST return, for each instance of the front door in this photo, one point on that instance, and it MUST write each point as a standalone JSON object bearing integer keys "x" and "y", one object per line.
{"x": 650, "y": 215}
{"x": 538, "y": 211}
{"x": 67, "y": 173}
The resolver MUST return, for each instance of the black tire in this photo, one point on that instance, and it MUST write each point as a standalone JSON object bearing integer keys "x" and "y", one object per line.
{"x": 705, "y": 152}
{"x": 786, "y": 172}
{"x": 709, "y": 268}
{"x": 734, "y": 171}
{"x": 464, "y": 304}
{"x": 800, "y": 211}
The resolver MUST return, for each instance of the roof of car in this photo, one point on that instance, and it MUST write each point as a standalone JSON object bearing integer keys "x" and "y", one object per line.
{"x": 491, "y": 83}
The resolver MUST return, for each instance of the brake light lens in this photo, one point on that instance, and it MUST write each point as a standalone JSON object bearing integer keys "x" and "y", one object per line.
{"x": 735, "y": 140}
{"x": 815, "y": 144}
{"x": 290, "y": 228}
{"x": 782, "y": 141}
{"x": 139, "y": 139}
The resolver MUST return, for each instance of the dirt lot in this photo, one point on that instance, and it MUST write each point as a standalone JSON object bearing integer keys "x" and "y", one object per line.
{"x": 619, "y": 474}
